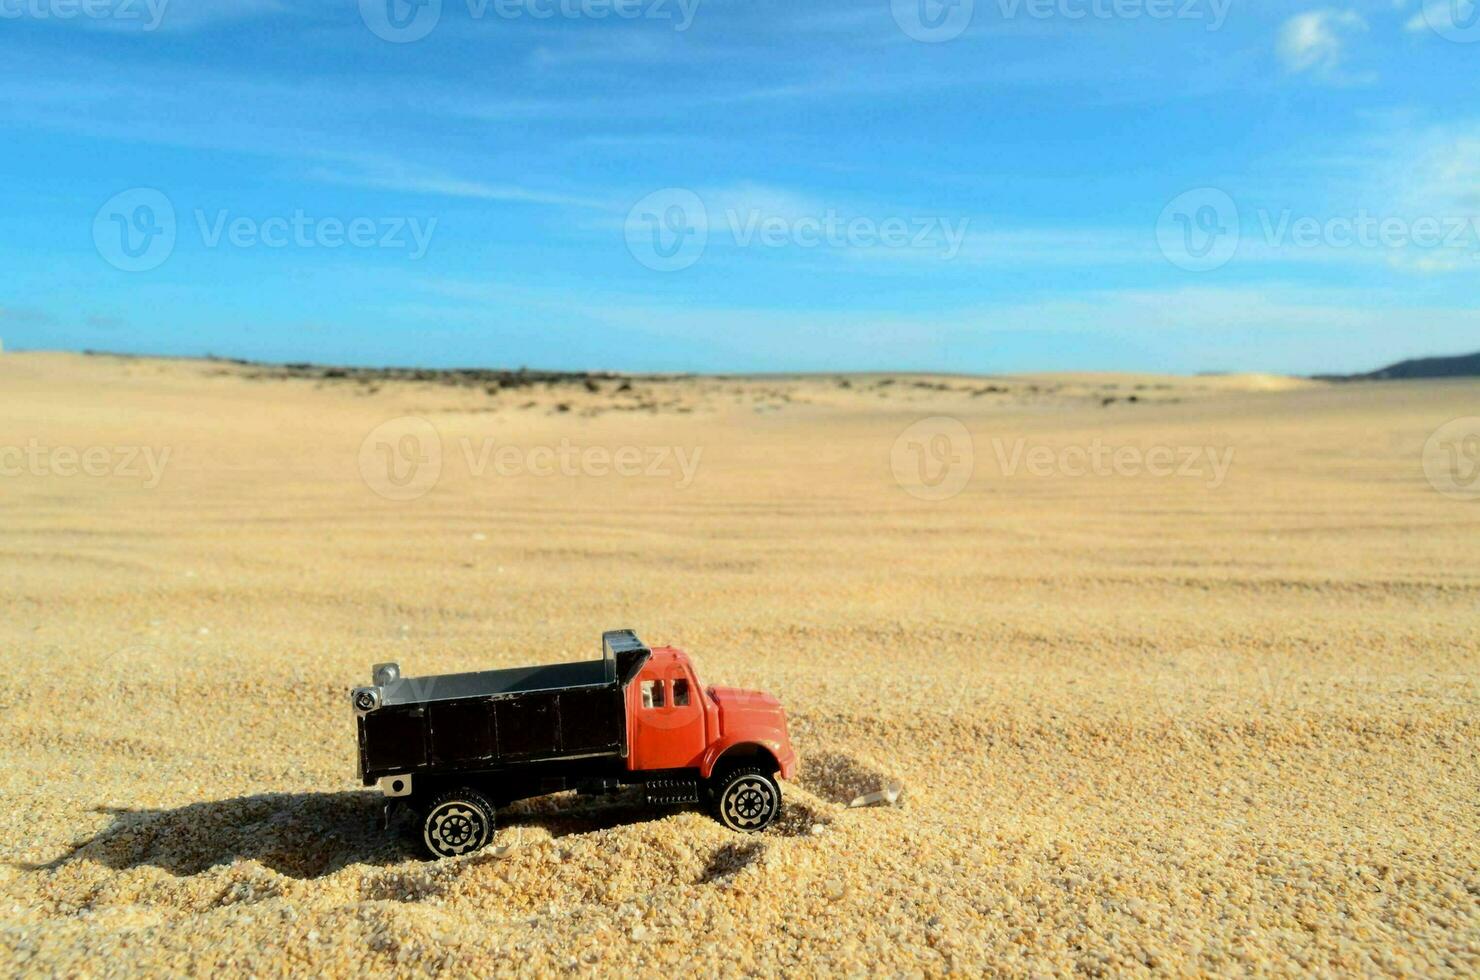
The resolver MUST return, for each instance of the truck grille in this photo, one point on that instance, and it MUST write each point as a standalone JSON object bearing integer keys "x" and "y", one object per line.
{"x": 668, "y": 792}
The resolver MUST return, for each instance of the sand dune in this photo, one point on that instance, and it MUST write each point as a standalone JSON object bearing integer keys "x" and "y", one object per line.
{"x": 1221, "y": 717}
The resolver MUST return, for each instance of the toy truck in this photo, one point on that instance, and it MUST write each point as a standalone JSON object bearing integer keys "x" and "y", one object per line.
{"x": 455, "y": 747}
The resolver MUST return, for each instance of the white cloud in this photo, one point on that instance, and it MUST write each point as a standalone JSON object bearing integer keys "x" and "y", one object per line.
{"x": 1316, "y": 40}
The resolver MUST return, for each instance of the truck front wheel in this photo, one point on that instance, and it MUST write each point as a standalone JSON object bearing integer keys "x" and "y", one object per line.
{"x": 458, "y": 822}
{"x": 746, "y": 799}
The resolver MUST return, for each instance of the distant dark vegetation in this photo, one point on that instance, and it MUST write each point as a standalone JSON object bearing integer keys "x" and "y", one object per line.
{"x": 490, "y": 378}
{"x": 1460, "y": 366}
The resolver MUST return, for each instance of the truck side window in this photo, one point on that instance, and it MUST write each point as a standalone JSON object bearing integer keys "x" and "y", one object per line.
{"x": 680, "y": 692}
{"x": 652, "y": 694}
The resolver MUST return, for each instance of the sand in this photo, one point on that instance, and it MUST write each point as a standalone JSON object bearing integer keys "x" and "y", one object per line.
{"x": 1177, "y": 722}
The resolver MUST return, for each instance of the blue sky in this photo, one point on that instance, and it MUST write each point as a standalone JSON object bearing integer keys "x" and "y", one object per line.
{"x": 997, "y": 185}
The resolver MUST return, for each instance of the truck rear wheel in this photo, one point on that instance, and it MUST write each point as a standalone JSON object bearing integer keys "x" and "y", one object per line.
{"x": 746, "y": 799}
{"x": 459, "y": 822}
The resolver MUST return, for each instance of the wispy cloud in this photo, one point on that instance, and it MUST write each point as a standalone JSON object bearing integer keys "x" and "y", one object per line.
{"x": 382, "y": 173}
{"x": 668, "y": 104}
{"x": 1316, "y": 42}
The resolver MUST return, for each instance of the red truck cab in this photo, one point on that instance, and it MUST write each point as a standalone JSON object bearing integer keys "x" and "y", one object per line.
{"x": 675, "y": 723}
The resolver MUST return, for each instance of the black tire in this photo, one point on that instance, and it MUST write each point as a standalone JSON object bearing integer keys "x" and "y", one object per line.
{"x": 745, "y": 799}
{"x": 456, "y": 823}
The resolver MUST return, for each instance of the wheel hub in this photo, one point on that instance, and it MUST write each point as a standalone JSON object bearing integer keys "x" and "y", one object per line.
{"x": 749, "y": 802}
{"x": 455, "y": 829}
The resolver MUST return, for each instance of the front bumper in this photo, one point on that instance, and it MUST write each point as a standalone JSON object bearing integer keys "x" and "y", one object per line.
{"x": 787, "y": 757}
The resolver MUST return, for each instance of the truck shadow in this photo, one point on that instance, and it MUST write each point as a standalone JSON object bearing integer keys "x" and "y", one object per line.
{"x": 731, "y": 859}
{"x": 301, "y": 835}
{"x": 564, "y": 814}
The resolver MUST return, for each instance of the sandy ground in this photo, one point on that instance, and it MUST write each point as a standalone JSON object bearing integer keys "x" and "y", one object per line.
{"x": 1180, "y": 721}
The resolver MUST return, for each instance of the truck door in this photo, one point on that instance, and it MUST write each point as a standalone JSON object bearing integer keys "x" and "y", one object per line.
{"x": 667, "y": 714}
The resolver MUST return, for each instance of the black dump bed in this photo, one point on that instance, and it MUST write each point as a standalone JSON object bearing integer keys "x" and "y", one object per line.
{"x": 494, "y": 718}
